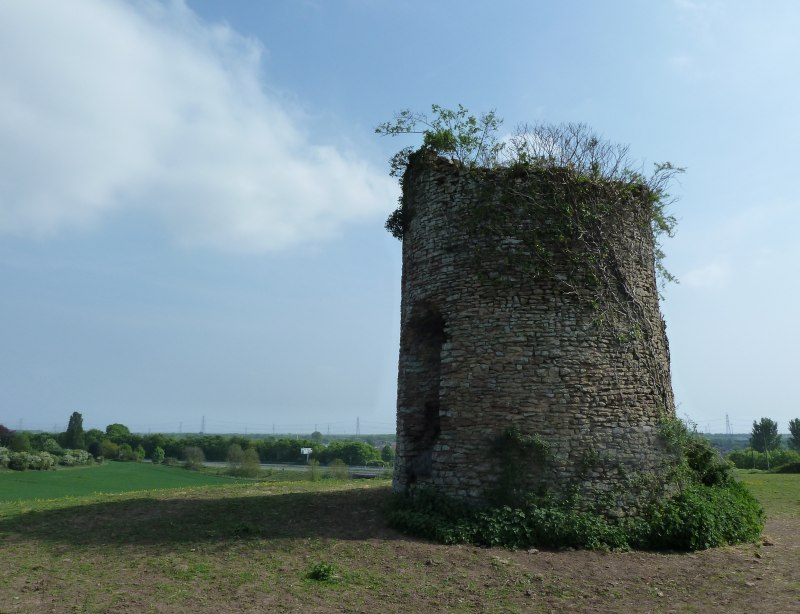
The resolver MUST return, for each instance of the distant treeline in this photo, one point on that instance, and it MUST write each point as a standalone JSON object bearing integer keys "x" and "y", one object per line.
{"x": 737, "y": 441}
{"x": 117, "y": 441}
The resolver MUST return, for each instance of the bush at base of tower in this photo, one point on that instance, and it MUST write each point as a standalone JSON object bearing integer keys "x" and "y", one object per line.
{"x": 696, "y": 518}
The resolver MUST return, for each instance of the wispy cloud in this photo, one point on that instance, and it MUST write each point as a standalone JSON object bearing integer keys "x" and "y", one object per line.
{"x": 690, "y": 5}
{"x": 107, "y": 106}
{"x": 708, "y": 276}
{"x": 684, "y": 65}
{"x": 754, "y": 246}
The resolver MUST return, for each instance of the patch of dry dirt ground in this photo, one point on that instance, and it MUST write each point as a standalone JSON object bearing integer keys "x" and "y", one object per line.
{"x": 250, "y": 549}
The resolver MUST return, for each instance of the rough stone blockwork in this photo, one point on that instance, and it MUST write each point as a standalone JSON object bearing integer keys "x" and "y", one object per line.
{"x": 486, "y": 345}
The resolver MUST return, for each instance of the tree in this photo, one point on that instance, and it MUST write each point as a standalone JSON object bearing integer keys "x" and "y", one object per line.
{"x": 126, "y": 452}
{"x": 388, "y": 453}
{"x": 243, "y": 463}
{"x": 109, "y": 449}
{"x": 6, "y": 435}
{"x": 158, "y": 455}
{"x": 316, "y": 437}
{"x": 794, "y": 432}
{"x": 251, "y": 463}
{"x": 193, "y": 457}
{"x": 235, "y": 456}
{"x": 93, "y": 435}
{"x": 20, "y": 442}
{"x": 455, "y": 134}
{"x": 351, "y": 452}
{"x": 764, "y": 436}
{"x": 338, "y": 470}
{"x": 51, "y": 446}
{"x": 314, "y": 471}
{"x": 118, "y": 433}
{"x": 95, "y": 449}
{"x": 74, "y": 438}
{"x": 153, "y": 441}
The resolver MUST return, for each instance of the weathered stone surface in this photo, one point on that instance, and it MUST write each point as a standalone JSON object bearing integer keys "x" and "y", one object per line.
{"x": 480, "y": 353}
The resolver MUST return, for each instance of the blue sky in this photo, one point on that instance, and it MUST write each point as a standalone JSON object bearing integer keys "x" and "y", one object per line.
{"x": 192, "y": 197}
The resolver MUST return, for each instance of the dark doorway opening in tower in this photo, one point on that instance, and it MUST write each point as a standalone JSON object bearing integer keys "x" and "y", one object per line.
{"x": 425, "y": 335}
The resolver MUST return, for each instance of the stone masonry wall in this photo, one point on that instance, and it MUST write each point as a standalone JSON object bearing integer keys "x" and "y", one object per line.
{"x": 486, "y": 346}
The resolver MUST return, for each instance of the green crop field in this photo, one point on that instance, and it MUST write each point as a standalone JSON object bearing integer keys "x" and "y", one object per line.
{"x": 107, "y": 478}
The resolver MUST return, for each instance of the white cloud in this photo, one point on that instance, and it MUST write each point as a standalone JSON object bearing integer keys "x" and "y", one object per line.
{"x": 710, "y": 276}
{"x": 684, "y": 65}
{"x": 689, "y": 5}
{"x": 111, "y": 106}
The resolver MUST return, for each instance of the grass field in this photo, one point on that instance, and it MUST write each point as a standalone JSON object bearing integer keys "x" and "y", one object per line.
{"x": 779, "y": 493}
{"x": 251, "y": 548}
{"x": 112, "y": 477}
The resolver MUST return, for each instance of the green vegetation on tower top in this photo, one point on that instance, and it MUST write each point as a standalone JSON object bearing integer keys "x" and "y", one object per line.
{"x": 587, "y": 176}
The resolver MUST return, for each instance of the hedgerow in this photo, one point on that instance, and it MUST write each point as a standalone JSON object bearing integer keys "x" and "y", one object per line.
{"x": 41, "y": 461}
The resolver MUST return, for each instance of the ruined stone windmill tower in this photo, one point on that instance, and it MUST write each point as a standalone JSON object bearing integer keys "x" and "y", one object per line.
{"x": 531, "y": 335}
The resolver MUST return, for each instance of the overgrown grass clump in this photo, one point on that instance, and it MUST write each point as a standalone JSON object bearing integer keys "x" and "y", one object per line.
{"x": 709, "y": 509}
{"x": 323, "y": 572}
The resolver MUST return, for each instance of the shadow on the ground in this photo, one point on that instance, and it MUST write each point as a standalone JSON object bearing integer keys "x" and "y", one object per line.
{"x": 345, "y": 514}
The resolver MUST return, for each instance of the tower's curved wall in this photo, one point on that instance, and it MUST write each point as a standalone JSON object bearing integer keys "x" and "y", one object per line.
{"x": 486, "y": 346}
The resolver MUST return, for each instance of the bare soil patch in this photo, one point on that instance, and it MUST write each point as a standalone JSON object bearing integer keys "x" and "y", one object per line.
{"x": 250, "y": 549}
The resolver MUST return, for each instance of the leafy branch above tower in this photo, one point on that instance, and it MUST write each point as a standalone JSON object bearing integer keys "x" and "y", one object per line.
{"x": 456, "y": 135}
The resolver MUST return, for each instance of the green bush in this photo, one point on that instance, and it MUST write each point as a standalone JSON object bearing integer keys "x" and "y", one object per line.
{"x": 243, "y": 463}
{"x": 51, "y": 446}
{"x": 109, "y": 449}
{"x": 158, "y": 455}
{"x": 788, "y": 468}
{"x": 388, "y": 454}
{"x": 709, "y": 508}
{"x": 750, "y": 459}
{"x": 95, "y": 449}
{"x": 20, "y": 442}
{"x": 42, "y": 461}
{"x": 322, "y": 572}
{"x": 338, "y": 470}
{"x": 701, "y": 517}
{"x": 352, "y": 452}
{"x": 251, "y": 464}
{"x": 19, "y": 461}
{"x": 193, "y": 457}
{"x": 696, "y": 518}
{"x": 70, "y": 458}
{"x": 22, "y": 461}
{"x": 532, "y": 524}
{"x": 705, "y": 462}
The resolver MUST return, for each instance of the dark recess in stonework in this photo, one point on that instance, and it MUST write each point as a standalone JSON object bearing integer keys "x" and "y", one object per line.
{"x": 424, "y": 335}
